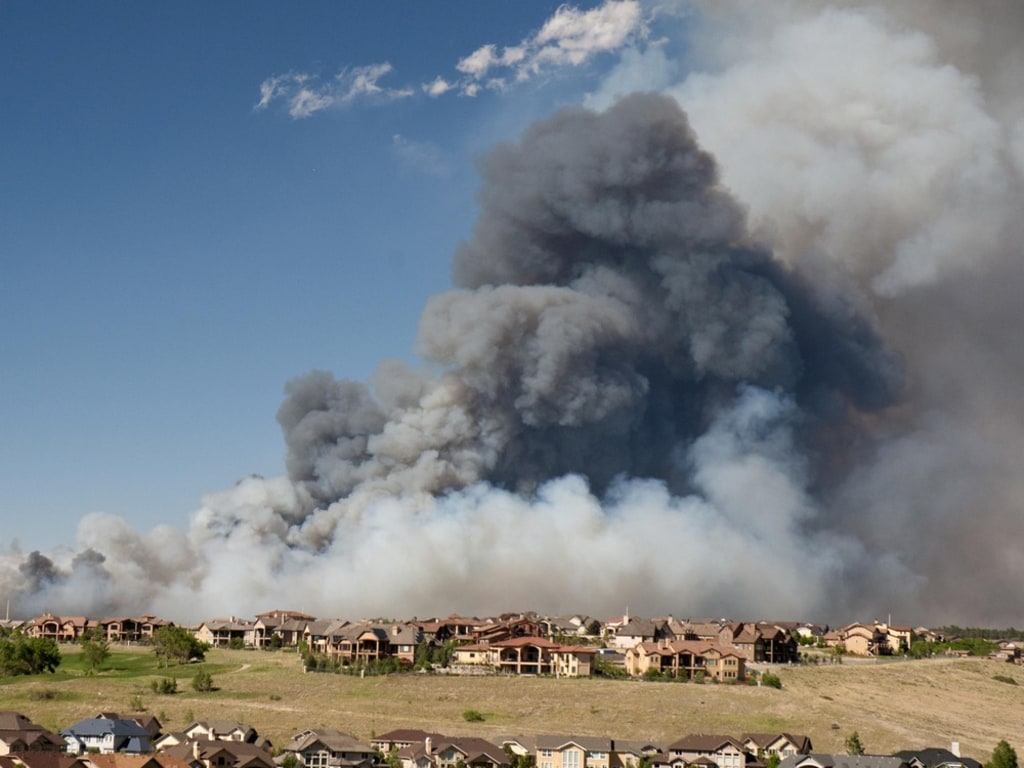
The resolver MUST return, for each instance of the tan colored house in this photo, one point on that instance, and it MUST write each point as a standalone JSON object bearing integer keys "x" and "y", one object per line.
{"x": 469, "y": 751}
{"x": 725, "y": 751}
{"x": 219, "y": 633}
{"x": 784, "y": 745}
{"x": 573, "y": 752}
{"x": 687, "y": 659}
{"x": 529, "y": 656}
{"x": 221, "y": 730}
{"x": 328, "y": 748}
{"x": 222, "y": 754}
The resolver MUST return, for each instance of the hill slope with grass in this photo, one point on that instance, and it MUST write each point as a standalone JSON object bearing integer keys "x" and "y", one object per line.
{"x": 897, "y": 705}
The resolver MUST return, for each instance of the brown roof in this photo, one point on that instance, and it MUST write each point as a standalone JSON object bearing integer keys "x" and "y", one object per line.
{"x": 703, "y": 742}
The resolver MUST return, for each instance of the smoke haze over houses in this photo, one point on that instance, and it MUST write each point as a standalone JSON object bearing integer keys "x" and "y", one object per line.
{"x": 736, "y": 336}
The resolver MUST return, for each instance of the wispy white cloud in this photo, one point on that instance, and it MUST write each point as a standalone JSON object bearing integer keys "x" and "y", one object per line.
{"x": 571, "y": 37}
{"x": 304, "y": 94}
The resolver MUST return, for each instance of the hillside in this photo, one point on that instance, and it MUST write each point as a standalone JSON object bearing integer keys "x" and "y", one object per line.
{"x": 893, "y": 706}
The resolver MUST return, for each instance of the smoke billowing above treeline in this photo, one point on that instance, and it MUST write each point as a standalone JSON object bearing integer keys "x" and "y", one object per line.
{"x": 745, "y": 346}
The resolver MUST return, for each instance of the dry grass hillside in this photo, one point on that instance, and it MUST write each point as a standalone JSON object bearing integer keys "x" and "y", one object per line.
{"x": 892, "y": 706}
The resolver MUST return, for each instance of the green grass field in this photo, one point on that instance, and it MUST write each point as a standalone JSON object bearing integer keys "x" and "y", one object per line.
{"x": 892, "y": 706}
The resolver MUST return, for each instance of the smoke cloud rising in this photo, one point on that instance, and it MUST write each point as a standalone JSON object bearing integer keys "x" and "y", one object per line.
{"x": 744, "y": 347}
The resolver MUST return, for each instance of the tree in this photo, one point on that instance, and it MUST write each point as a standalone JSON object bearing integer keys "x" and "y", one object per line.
{"x": 773, "y": 760}
{"x": 20, "y": 655}
{"x": 95, "y": 651}
{"x": 1003, "y": 756}
{"x": 853, "y": 745}
{"x": 176, "y": 644}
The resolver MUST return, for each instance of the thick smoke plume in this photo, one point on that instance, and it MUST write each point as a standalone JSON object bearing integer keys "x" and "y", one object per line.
{"x": 772, "y": 380}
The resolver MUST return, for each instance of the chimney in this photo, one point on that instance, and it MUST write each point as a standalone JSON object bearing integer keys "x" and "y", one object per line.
{"x": 428, "y": 745}
{"x": 955, "y": 748}
{"x": 195, "y": 749}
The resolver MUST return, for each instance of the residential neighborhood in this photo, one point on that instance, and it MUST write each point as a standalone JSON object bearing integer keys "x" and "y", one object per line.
{"x": 110, "y": 740}
{"x": 720, "y": 650}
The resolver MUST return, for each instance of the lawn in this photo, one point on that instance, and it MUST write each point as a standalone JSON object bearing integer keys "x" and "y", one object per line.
{"x": 892, "y": 706}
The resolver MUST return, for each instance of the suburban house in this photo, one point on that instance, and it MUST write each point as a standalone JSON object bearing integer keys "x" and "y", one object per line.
{"x": 724, "y": 751}
{"x": 782, "y": 744}
{"x": 528, "y": 656}
{"x": 469, "y": 751}
{"x": 106, "y": 734}
{"x": 843, "y": 761}
{"x": 278, "y": 627}
{"x": 328, "y": 748}
{"x": 221, "y": 730}
{"x": 937, "y": 757}
{"x": 122, "y": 760}
{"x": 221, "y": 754}
{"x": 573, "y": 752}
{"x": 686, "y": 658}
{"x": 42, "y": 760}
{"x": 220, "y": 633}
{"x": 401, "y": 739}
{"x": 19, "y": 734}
{"x": 636, "y": 630}
{"x": 367, "y": 641}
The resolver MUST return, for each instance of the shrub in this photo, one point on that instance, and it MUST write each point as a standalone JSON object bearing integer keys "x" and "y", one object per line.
{"x": 165, "y": 686}
{"x": 1004, "y": 679}
{"x": 202, "y": 682}
{"x": 472, "y": 716}
{"x": 772, "y": 681}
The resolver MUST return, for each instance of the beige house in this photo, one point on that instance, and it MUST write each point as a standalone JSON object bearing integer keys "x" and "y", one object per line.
{"x": 782, "y": 744}
{"x": 528, "y": 656}
{"x": 686, "y": 658}
{"x": 573, "y": 752}
{"x": 219, "y": 633}
{"x": 725, "y": 751}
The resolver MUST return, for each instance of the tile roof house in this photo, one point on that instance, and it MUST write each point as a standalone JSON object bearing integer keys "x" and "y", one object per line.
{"x": 106, "y": 734}
{"x": 42, "y": 760}
{"x": 686, "y": 658}
{"x": 936, "y": 757}
{"x": 19, "y": 734}
{"x": 723, "y": 751}
{"x": 573, "y": 752}
{"x": 221, "y": 754}
{"x": 221, "y": 730}
{"x": 470, "y": 751}
{"x": 781, "y": 744}
{"x": 328, "y": 748}
{"x": 401, "y": 739}
{"x": 528, "y": 656}
{"x": 843, "y": 761}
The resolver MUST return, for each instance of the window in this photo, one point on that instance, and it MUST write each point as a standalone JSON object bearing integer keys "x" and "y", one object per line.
{"x": 571, "y": 759}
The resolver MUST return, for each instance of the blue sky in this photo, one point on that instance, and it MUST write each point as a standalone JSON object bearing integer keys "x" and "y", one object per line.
{"x": 174, "y": 249}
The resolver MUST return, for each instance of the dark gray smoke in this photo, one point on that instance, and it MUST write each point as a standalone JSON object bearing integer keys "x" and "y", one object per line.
{"x": 614, "y": 303}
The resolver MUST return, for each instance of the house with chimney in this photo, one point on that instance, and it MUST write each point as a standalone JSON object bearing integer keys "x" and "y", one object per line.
{"x": 221, "y": 633}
